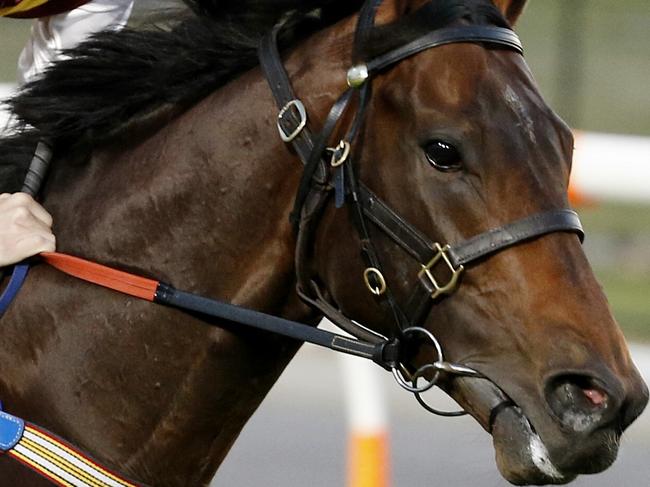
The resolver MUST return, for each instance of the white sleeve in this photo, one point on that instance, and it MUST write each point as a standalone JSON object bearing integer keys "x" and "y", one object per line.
{"x": 50, "y": 35}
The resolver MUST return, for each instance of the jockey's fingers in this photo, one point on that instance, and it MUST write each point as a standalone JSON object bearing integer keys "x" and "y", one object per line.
{"x": 37, "y": 243}
{"x": 27, "y": 223}
{"x": 26, "y": 246}
{"x": 41, "y": 213}
{"x": 16, "y": 199}
{"x": 20, "y": 205}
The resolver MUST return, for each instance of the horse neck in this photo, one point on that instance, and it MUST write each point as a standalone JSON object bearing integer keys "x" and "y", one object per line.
{"x": 201, "y": 203}
{"x": 207, "y": 197}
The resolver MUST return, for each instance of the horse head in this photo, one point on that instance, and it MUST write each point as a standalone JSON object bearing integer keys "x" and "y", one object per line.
{"x": 458, "y": 141}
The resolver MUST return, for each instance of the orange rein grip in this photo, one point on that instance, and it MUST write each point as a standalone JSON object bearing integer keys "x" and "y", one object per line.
{"x": 123, "y": 282}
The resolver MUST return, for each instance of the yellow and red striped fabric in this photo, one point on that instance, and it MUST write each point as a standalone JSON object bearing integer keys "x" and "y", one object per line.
{"x": 61, "y": 463}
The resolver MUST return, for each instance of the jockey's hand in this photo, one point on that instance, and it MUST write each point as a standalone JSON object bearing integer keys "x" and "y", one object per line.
{"x": 25, "y": 228}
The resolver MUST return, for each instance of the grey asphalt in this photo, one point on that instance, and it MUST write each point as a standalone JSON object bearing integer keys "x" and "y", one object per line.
{"x": 298, "y": 438}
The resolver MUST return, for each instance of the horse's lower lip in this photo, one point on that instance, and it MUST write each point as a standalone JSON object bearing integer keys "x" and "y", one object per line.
{"x": 521, "y": 455}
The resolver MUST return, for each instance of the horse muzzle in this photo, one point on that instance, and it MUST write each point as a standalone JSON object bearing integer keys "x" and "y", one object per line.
{"x": 572, "y": 428}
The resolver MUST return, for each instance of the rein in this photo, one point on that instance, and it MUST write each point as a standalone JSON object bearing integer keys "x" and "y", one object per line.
{"x": 382, "y": 352}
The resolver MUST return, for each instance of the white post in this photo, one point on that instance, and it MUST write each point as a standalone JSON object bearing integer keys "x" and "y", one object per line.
{"x": 611, "y": 167}
{"x": 368, "y": 450}
{"x": 368, "y": 461}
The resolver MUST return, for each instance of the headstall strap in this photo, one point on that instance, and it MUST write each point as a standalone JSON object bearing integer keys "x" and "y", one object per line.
{"x": 313, "y": 155}
{"x": 271, "y": 64}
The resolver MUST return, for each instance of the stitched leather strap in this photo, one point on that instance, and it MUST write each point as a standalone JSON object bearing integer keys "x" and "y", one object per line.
{"x": 418, "y": 245}
{"x": 450, "y": 35}
{"x": 276, "y": 75}
{"x": 468, "y": 251}
{"x": 513, "y": 233}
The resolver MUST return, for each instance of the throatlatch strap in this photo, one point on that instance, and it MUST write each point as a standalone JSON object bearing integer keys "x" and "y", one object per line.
{"x": 54, "y": 458}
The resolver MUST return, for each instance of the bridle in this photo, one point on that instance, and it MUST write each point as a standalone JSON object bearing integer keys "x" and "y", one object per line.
{"x": 330, "y": 170}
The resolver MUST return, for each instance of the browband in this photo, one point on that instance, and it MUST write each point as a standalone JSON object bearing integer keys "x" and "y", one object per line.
{"x": 468, "y": 33}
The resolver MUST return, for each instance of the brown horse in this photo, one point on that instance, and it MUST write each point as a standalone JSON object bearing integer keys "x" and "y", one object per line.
{"x": 202, "y": 198}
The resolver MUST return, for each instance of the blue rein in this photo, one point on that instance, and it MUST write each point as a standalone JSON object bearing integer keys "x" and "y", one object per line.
{"x": 18, "y": 276}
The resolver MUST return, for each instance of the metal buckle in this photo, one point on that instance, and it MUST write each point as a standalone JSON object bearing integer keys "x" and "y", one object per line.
{"x": 427, "y": 278}
{"x": 302, "y": 113}
{"x": 339, "y": 153}
{"x": 380, "y": 287}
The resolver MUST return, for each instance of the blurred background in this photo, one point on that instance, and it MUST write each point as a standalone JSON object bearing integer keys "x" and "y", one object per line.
{"x": 592, "y": 61}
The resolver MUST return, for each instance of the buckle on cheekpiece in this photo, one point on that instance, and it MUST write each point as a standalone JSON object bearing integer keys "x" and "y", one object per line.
{"x": 294, "y": 107}
{"x": 429, "y": 280}
{"x": 11, "y": 431}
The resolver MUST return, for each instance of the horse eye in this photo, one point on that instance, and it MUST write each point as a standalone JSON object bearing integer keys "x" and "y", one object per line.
{"x": 443, "y": 156}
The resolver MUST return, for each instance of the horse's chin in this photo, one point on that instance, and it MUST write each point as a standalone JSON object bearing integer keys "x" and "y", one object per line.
{"x": 521, "y": 455}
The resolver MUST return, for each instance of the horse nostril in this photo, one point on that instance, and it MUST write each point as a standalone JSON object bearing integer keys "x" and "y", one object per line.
{"x": 578, "y": 402}
{"x": 597, "y": 397}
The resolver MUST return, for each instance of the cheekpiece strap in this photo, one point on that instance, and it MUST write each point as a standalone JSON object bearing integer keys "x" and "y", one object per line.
{"x": 292, "y": 117}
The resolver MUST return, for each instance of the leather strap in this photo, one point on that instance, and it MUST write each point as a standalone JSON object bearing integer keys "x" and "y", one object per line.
{"x": 421, "y": 248}
{"x": 418, "y": 245}
{"x": 513, "y": 233}
{"x": 276, "y": 75}
{"x": 450, "y": 35}
{"x": 376, "y": 347}
{"x": 316, "y": 156}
